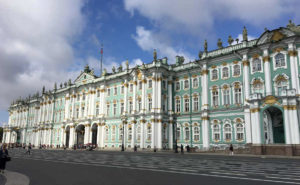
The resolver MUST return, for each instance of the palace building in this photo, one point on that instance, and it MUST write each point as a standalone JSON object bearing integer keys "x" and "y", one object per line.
{"x": 245, "y": 94}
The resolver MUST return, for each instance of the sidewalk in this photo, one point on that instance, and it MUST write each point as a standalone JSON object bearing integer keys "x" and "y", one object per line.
{"x": 14, "y": 178}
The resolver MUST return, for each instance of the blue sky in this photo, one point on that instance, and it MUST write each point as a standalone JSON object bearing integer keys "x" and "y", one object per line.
{"x": 49, "y": 41}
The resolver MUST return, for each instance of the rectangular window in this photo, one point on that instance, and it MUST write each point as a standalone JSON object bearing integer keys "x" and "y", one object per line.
{"x": 149, "y": 104}
{"x": 186, "y": 84}
{"x": 130, "y": 107}
{"x": 177, "y": 86}
{"x": 150, "y": 84}
{"x": 107, "y": 109}
{"x": 115, "y": 91}
{"x": 187, "y": 105}
{"x": 115, "y": 108}
{"x": 226, "y": 96}
{"x": 122, "y": 108}
{"x": 139, "y": 105}
{"x": 97, "y": 110}
{"x": 215, "y": 98}
{"x": 178, "y": 105}
{"x": 122, "y": 89}
{"x": 140, "y": 85}
{"x": 98, "y": 93}
{"x": 196, "y": 104}
{"x": 131, "y": 87}
{"x": 108, "y": 92}
{"x": 238, "y": 95}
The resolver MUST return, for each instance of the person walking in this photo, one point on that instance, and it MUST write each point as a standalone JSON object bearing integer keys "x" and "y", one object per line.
{"x": 3, "y": 158}
{"x": 181, "y": 149}
{"x": 135, "y": 148}
{"x": 231, "y": 149}
{"x": 28, "y": 149}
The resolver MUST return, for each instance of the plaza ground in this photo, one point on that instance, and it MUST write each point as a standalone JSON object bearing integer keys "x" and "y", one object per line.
{"x": 58, "y": 167}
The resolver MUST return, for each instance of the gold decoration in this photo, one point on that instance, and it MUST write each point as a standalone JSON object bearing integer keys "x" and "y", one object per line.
{"x": 126, "y": 84}
{"x": 293, "y": 53}
{"x": 266, "y": 59}
{"x": 135, "y": 82}
{"x": 256, "y": 82}
{"x": 224, "y": 63}
{"x": 204, "y": 72}
{"x": 214, "y": 66}
{"x": 254, "y": 110}
{"x": 277, "y": 50}
{"x": 280, "y": 78}
{"x": 255, "y": 56}
{"x": 245, "y": 63}
{"x": 205, "y": 118}
{"x": 236, "y": 62}
{"x": 290, "y": 107}
{"x": 277, "y": 36}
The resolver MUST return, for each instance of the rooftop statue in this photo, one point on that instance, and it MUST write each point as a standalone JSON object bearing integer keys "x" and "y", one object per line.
{"x": 143, "y": 66}
{"x": 69, "y": 82}
{"x": 55, "y": 86}
{"x": 205, "y": 46}
{"x": 113, "y": 69}
{"x": 293, "y": 27}
{"x": 220, "y": 44}
{"x": 87, "y": 69}
{"x": 230, "y": 40}
{"x": 43, "y": 90}
{"x": 65, "y": 84}
{"x": 127, "y": 64}
{"x": 237, "y": 40}
{"x": 61, "y": 85}
{"x": 245, "y": 34}
{"x": 104, "y": 73}
{"x": 200, "y": 54}
{"x": 154, "y": 55}
{"x": 120, "y": 68}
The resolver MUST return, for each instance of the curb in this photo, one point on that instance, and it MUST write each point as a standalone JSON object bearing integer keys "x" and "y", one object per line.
{"x": 14, "y": 178}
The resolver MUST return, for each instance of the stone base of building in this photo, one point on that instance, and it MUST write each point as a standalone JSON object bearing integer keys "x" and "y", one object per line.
{"x": 276, "y": 149}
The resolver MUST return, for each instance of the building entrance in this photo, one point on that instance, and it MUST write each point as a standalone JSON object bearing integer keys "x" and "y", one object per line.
{"x": 273, "y": 126}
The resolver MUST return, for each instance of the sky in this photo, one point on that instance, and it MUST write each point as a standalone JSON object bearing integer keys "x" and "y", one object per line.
{"x": 43, "y": 42}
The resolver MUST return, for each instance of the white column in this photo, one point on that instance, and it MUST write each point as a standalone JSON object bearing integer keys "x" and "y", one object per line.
{"x": 72, "y": 137}
{"x": 287, "y": 131}
{"x": 144, "y": 96}
{"x": 134, "y": 95}
{"x": 246, "y": 77}
{"x": 159, "y": 93}
{"x": 159, "y": 134}
{"x": 248, "y": 125}
{"x": 102, "y": 135}
{"x": 86, "y": 106}
{"x": 294, "y": 67}
{"x": 255, "y": 122}
{"x": 267, "y": 72}
{"x": 154, "y": 106}
{"x": 142, "y": 125}
{"x": 99, "y": 135}
{"x": 133, "y": 135}
{"x": 67, "y": 107}
{"x": 205, "y": 116}
{"x": 153, "y": 134}
{"x": 93, "y": 104}
{"x": 52, "y": 112}
{"x": 62, "y": 136}
{"x": 204, "y": 81}
{"x": 125, "y": 97}
{"x": 294, "y": 125}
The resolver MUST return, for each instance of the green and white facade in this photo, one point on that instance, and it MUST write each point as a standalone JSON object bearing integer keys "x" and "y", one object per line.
{"x": 246, "y": 93}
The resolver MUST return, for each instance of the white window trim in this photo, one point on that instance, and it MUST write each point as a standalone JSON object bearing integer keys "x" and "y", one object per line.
{"x": 252, "y": 88}
{"x": 232, "y": 72}
{"x": 275, "y": 83}
{"x": 224, "y": 133}
{"x": 274, "y": 61}
{"x": 213, "y": 131}
{"x": 184, "y": 84}
{"x": 195, "y": 87}
{"x": 211, "y": 74}
{"x": 236, "y": 133}
{"x": 211, "y": 97}
{"x": 177, "y": 90}
{"x": 242, "y": 94}
{"x": 222, "y": 92}
{"x": 262, "y": 65}
{"x": 224, "y": 78}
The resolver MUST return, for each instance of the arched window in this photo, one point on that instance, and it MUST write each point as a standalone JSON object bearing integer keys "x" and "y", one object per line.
{"x": 216, "y": 131}
{"x": 239, "y": 131}
{"x": 195, "y": 83}
{"x": 227, "y": 131}
{"x": 281, "y": 86}
{"x": 138, "y": 133}
{"x": 115, "y": 91}
{"x": 131, "y": 87}
{"x": 196, "y": 133}
{"x": 149, "y": 104}
{"x": 149, "y": 133}
{"x": 129, "y": 133}
{"x": 178, "y": 133}
{"x": 237, "y": 94}
{"x": 186, "y": 84}
{"x": 226, "y": 96}
{"x": 225, "y": 72}
{"x": 214, "y": 74}
{"x": 256, "y": 65}
{"x": 140, "y": 85}
{"x": 187, "y": 133}
{"x": 279, "y": 60}
{"x": 83, "y": 96}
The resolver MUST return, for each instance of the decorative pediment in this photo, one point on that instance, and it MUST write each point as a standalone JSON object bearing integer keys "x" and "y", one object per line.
{"x": 84, "y": 78}
{"x": 275, "y": 35}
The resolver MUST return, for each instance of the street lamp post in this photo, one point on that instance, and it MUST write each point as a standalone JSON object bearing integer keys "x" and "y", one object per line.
{"x": 175, "y": 136}
{"x": 123, "y": 138}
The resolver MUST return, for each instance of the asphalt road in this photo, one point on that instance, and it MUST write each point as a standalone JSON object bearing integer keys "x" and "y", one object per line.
{"x": 49, "y": 167}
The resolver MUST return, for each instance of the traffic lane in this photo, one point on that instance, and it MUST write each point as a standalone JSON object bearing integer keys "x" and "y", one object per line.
{"x": 55, "y": 173}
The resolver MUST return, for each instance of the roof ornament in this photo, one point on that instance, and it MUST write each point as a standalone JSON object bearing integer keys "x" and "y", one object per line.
{"x": 230, "y": 40}
{"x": 113, "y": 69}
{"x": 237, "y": 40}
{"x": 55, "y": 86}
{"x": 154, "y": 55}
{"x": 87, "y": 69}
{"x": 69, "y": 82}
{"x": 205, "y": 46}
{"x": 127, "y": 64}
{"x": 200, "y": 54}
{"x": 61, "y": 85}
{"x": 120, "y": 68}
{"x": 143, "y": 66}
{"x": 65, "y": 84}
{"x": 245, "y": 34}
{"x": 290, "y": 24}
{"x": 43, "y": 90}
{"x": 220, "y": 44}
{"x": 104, "y": 72}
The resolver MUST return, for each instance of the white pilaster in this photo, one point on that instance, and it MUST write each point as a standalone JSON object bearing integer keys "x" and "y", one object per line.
{"x": 267, "y": 72}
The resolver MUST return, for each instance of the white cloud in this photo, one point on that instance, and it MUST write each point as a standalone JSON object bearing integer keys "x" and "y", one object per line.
{"x": 148, "y": 41}
{"x": 195, "y": 15}
{"x": 36, "y": 45}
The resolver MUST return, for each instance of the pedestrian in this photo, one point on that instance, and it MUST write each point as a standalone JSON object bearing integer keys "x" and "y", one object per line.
{"x": 176, "y": 149}
{"x": 28, "y": 149}
{"x": 181, "y": 149}
{"x": 188, "y": 148}
{"x": 231, "y": 149}
{"x": 122, "y": 148}
{"x": 135, "y": 148}
{"x": 3, "y": 158}
{"x": 154, "y": 148}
